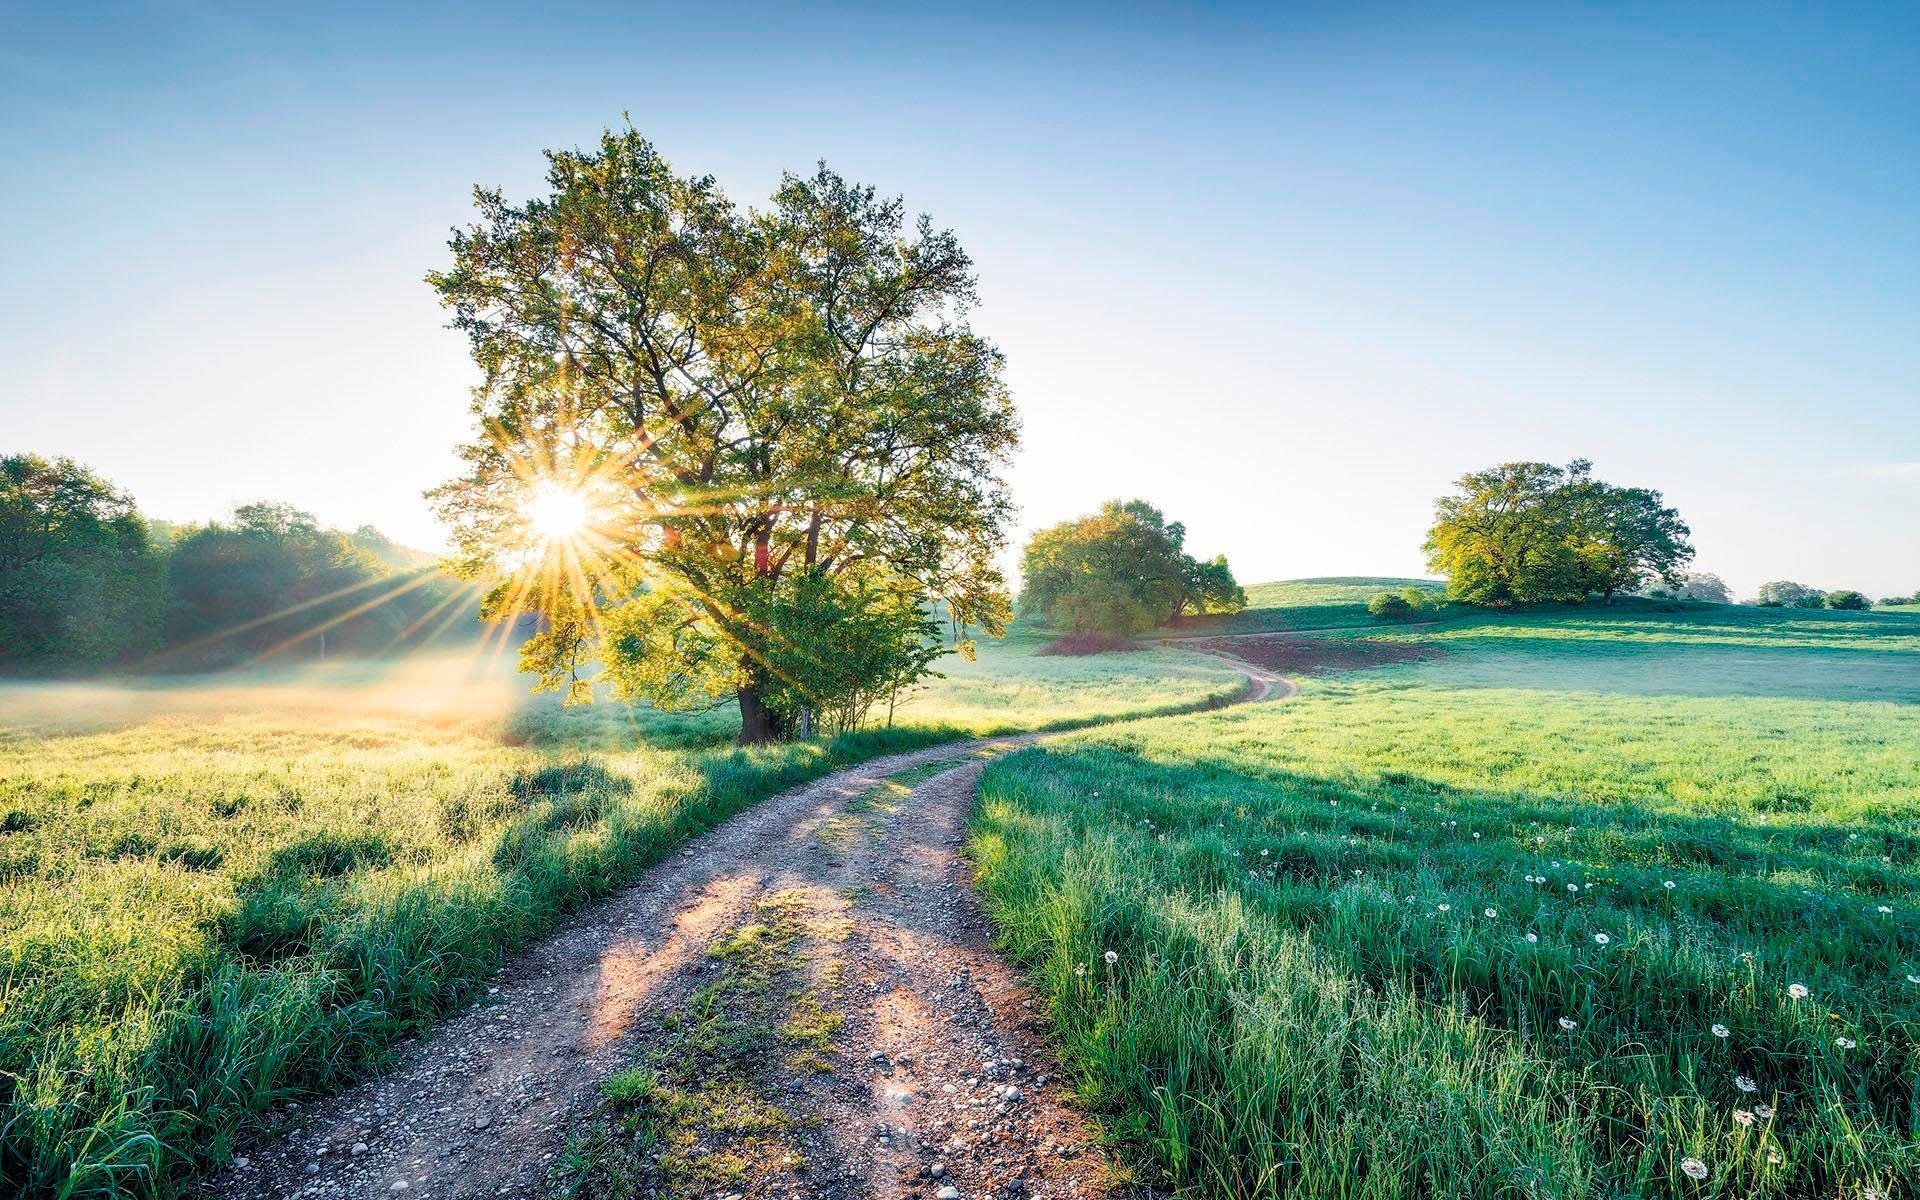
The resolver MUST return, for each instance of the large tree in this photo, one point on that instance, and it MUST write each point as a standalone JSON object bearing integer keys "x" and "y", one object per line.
{"x": 1121, "y": 570}
{"x": 1526, "y": 532}
{"x": 751, "y": 418}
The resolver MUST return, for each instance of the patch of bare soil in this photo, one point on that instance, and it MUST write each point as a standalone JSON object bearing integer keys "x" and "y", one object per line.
{"x": 1315, "y": 656}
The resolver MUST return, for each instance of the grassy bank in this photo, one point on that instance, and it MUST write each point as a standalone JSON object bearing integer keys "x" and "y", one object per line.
{"x": 1529, "y": 917}
{"x": 1334, "y": 602}
{"x": 219, "y": 897}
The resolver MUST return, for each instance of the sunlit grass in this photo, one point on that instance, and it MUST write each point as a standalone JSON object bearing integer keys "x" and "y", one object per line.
{"x": 1346, "y": 934}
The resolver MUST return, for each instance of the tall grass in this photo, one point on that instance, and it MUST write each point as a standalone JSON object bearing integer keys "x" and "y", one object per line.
{"x": 218, "y": 898}
{"x": 1467, "y": 929}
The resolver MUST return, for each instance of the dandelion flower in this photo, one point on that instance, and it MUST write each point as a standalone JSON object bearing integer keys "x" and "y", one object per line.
{"x": 1668, "y": 885}
{"x": 1444, "y": 907}
{"x": 1884, "y": 909}
{"x": 1773, "y": 1156}
{"x": 1845, "y": 1043}
{"x": 1742, "y": 1117}
{"x": 1573, "y": 887}
{"x": 1493, "y": 912}
{"x": 1566, "y": 1024}
{"x": 1763, "y": 1111}
{"x": 1797, "y": 990}
{"x": 1476, "y": 837}
{"x": 1745, "y": 1083}
{"x": 1601, "y": 939}
{"x": 1112, "y": 957}
{"x": 1080, "y": 969}
{"x": 1693, "y": 1168}
{"x": 1720, "y": 1030}
{"x": 1913, "y": 979}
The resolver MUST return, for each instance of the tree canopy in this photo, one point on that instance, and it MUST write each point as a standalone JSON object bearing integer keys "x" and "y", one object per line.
{"x": 1527, "y": 532}
{"x": 778, "y": 423}
{"x": 81, "y": 585}
{"x": 1122, "y": 570}
{"x": 1784, "y": 593}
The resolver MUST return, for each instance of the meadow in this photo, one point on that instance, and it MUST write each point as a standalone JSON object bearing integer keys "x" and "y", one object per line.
{"x": 1586, "y": 903}
{"x": 1331, "y": 602}
{"x": 221, "y": 896}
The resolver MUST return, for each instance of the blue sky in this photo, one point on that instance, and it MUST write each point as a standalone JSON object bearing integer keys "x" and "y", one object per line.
{"x": 1284, "y": 271}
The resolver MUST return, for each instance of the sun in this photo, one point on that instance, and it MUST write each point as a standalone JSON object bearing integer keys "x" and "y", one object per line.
{"x": 556, "y": 513}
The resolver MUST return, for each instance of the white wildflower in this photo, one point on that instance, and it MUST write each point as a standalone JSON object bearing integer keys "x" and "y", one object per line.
{"x": 1694, "y": 1168}
{"x": 1566, "y": 1024}
{"x": 1797, "y": 990}
{"x": 1720, "y": 1030}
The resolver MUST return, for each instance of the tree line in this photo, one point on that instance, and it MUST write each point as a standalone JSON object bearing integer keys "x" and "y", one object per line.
{"x": 785, "y": 438}
{"x": 88, "y": 583}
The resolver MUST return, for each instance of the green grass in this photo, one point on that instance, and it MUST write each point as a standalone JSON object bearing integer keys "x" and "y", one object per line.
{"x": 1334, "y": 602}
{"x": 1291, "y": 1010}
{"x": 1008, "y": 687}
{"x": 220, "y": 896}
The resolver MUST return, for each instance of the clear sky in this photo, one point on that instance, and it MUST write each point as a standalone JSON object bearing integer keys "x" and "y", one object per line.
{"x": 1285, "y": 271}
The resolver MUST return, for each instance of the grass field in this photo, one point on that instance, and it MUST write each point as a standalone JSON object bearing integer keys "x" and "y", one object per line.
{"x": 1584, "y": 905}
{"x": 219, "y": 897}
{"x": 1330, "y": 603}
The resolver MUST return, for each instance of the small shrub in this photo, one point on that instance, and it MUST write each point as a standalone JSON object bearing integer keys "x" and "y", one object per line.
{"x": 1390, "y": 606}
{"x": 1845, "y": 599}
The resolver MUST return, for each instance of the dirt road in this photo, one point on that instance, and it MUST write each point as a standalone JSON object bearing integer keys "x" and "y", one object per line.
{"x": 804, "y": 1001}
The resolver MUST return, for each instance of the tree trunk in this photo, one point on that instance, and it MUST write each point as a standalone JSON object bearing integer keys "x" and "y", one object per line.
{"x": 758, "y": 723}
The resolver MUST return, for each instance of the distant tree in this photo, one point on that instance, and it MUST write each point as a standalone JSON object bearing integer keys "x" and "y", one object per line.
{"x": 1784, "y": 593}
{"x": 1390, "y": 606}
{"x": 1705, "y": 586}
{"x": 1207, "y": 587}
{"x": 1416, "y": 600}
{"x": 80, "y": 580}
{"x": 1120, "y": 571}
{"x": 1891, "y": 601}
{"x": 747, "y": 402}
{"x": 1501, "y": 539}
{"x": 1526, "y": 532}
{"x": 1849, "y": 600}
